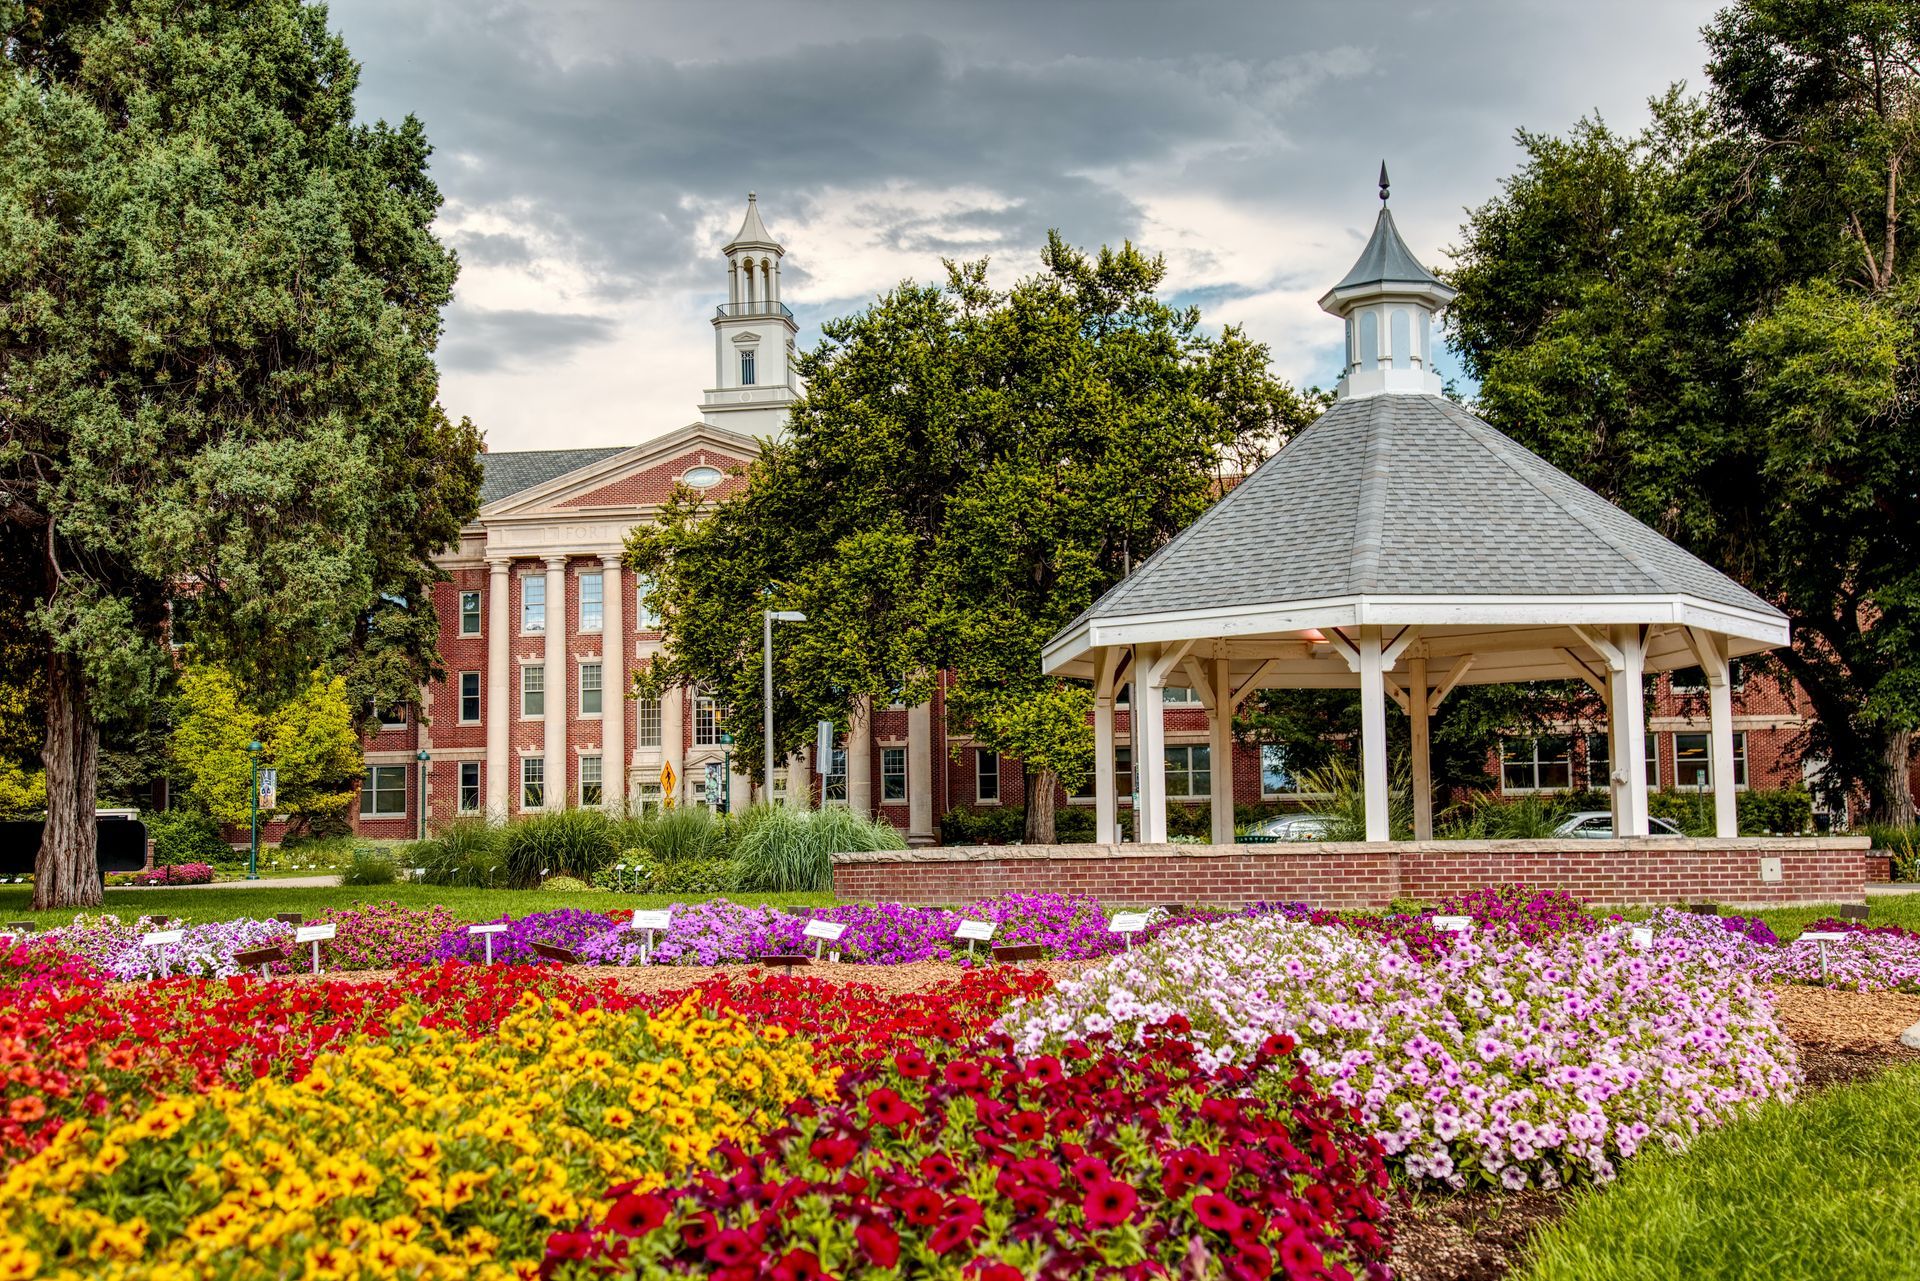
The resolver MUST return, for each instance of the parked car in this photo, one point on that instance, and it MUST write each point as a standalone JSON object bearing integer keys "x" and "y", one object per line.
{"x": 1293, "y": 827}
{"x": 1598, "y": 825}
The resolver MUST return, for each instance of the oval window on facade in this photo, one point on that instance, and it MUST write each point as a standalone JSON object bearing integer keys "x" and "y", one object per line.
{"x": 703, "y": 477}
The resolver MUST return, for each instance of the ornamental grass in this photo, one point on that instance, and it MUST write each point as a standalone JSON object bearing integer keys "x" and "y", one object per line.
{"x": 424, "y": 1152}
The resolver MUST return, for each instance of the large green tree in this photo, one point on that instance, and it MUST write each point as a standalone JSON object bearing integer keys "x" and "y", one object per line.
{"x": 219, "y": 298}
{"x": 309, "y": 739}
{"x": 1713, "y": 323}
{"x": 968, "y": 469}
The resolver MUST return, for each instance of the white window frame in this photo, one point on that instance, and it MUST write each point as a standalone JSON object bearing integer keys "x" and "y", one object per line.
{"x": 893, "y": 775}
{"x": 598, "y": 691}
{"x": 648, "y": 796}
{"x": 387, "y": 725}
{"x": 1182, "y": 776}
{"x": 525, "y": 669}
{"x": 646, "y": 721}
{"x": 833, "y": 779}
{"x": 706, "y": 721}
{"x": 1535, "y": 762}
{"x": 527, "y": 626}
{"x": 599, "y": 617}
{"x": 1741, "y": 778}
{"x": 479, "y": 699}
{"x": 593, "y": 762}
{"x": 644, "y": 619}
{"x": 986, "y": 768}
{"x": 1179, "y": 696}
{"x": 749, "y": 367}
{"x": 476, "y": 614}
{"x": 1293, "y": 787}
{"x": 478, "y": 787}
{"x": 533, "y": 774}
{"x": 370, "y": 788}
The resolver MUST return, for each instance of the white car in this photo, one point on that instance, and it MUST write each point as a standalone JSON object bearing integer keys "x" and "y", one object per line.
{"x": 1598, "y": 825}
{"x": 1293, "y": 827}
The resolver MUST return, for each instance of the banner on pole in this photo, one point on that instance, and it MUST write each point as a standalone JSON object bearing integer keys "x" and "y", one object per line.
{"x": 269, "y": 788}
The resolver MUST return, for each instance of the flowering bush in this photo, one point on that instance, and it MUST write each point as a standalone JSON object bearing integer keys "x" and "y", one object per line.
{"x": 1833, "y": 925}
{"x": 203, "y": 950}
{"x": 1495, "y": 1061}
{"x": 425, "y": 1149}
{"x": 994, "y": 1166}
{"x": 569, "y": 927}
{"x": 177, "y": 874}
{"x": 380, "y": 936}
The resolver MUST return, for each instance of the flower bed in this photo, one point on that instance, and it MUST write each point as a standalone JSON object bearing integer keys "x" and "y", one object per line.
{"x": 1494, "y": 1062}
{"x": 175, "y": 874}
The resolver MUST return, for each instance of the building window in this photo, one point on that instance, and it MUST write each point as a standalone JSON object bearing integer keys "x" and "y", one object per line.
{"x": 533, "y": 782}
{"x": 646, "y": 619}
{"x": 1122, "y": 777}
{"x": 383, "y": 791}
{"x": 589, "y": 689}
{"x": 1693, "y": 680}
{"x": 469, "y": 698}
{"x": 833, "y": 783}
{"x": 533, "y": 603}
{"x": 1693, "y": 760}
{"x": 1180, "y": 695}
{"x": 706, "y": 721}
{"x": 893, "y": 773}
{"x": 1536, "y": 764}
{"x": 469, "y": 787}
{"x": 1600, "y": 767}
{"x": 533, "y": 689}
{"x": 648, "y": 796}
{"x": 1276, "y": 779}
{"x": 647, "y": 715}
{"x": 592, "y": 602}
{"x": 394, "y": 717}
{"x": 469, "y": 613}
{"x": 746, "y": 369}
{"x": 1189, "y": 772}
{"x": 590, "y": 791}
{"x": 986, "y": 775}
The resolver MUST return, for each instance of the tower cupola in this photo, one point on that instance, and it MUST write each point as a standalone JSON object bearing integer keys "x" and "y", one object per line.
{"x": 1388, "y": 301}
{"x": 753, "y": 332}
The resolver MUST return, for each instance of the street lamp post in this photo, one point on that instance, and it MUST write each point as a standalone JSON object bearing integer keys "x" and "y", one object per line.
{"x": 726, "y": 773}
{"x": 423, "y": 758}
{"x": 767, "y": 619}
{"x": 254, "y": 748}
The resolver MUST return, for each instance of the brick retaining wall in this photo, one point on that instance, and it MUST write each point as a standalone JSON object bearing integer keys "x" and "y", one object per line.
{"x": 1649, "y": 870}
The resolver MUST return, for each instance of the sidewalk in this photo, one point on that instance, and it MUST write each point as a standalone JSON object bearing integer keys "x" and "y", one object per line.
{"x": 265, "y": 882}
{"x": 1886, "y": 889}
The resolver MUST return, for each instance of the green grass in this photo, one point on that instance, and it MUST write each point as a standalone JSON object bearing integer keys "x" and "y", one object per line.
{"x": 1787, "y": 922}
{"x": 1821, "y": 1189}
{"x": 196, "y": 906}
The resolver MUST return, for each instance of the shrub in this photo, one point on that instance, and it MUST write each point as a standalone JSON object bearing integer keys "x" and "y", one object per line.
{"x": 177, "y": 874}
{"x": 370, "y": 867}
{"x": 1821, "y": 1189}
{"x": 182, "y": 835}
{"x": 379, "y": 936}
{"x": 568, "y": 927}
{"x": 1496, "y": 1062}
{"x": 1902, "y": 845}
{"x": 466, "y": 852}
{"x": 991, "y": 825}
{"x": 310, "y": 852}
{"x": 572, "y": 842}
{"x": 565, "y": 885}
{"x": 785, "y": 850}
{"x": 683, "y": 832}
{"x": 1345, "y": 801}
{"x": 1787, "y": 811}
{"x": 1486, "y": 817}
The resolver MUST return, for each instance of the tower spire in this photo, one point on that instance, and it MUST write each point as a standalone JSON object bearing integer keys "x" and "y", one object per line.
{"x": 1383, "y": 182}
{"x": 1388, "y": 301}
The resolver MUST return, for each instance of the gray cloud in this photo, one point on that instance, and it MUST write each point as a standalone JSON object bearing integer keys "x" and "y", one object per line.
{"x": 485, "y": 341}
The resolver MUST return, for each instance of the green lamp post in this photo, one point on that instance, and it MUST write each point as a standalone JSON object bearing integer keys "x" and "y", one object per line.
{"x": 254, "y": 748}
{"x": 423, "y": 758}
{"x": 726, "y": 773}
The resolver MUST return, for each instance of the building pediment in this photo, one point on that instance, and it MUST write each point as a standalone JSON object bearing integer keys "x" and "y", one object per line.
{"x": 710, "y": 459}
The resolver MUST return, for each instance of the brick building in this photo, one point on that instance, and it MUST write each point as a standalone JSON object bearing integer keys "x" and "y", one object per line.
{"x": 542, "y": 629}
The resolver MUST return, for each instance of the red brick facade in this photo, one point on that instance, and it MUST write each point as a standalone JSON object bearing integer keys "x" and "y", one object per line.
{"x": 1610, "y": 873}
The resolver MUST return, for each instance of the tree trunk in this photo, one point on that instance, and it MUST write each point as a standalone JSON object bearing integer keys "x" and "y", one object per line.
{"x": 1896, "y": 789}
{"x": 1040, "y": 786}
{"x": 67, "y": 872}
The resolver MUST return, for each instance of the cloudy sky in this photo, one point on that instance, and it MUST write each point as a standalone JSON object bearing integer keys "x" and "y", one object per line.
{"x": 595, "y": 154}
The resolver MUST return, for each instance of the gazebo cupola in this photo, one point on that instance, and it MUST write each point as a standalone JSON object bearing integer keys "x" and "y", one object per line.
{"x": 1402, "y": 547}
{"x": 1387, "y": 301}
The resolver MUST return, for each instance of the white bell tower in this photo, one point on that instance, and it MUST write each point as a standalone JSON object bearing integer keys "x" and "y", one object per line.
{"x": 753, "y": 337}
{"x": 1388, "y": 300}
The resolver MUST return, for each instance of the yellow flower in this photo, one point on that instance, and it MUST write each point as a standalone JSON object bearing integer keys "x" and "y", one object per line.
{"x": 617, "y": 1117}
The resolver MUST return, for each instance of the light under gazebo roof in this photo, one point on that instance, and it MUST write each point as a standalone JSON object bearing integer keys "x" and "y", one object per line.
{"x": 1400, "y": 545}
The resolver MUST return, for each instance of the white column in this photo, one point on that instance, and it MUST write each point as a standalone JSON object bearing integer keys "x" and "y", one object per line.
{"x": 613, "y": 683}
{"x": 1220, "y": 751}
{"x": 500, "y": 711}
{"x": 1422, "y": 748}
{"x": 673, "y": 739}
{"x": 1630, "y": 719}
{"x": 1106, "y": 799}
{"x": 1373, "y": 735}
{"x": 1726, "y": 812}
{"x": 800, "y": 782}
{"x": 919, "y": 774}
{"x": 1614, "y": 776}
{"x": 556, "y": 695}
{"x": 1150, "y": 734}
{"x": 859, "y": 759}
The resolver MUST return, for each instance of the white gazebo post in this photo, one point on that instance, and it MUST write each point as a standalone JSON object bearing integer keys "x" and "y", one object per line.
{"x": 1106, "y": 808}
{"x": 1150, "y": 736}
{"x": 1220, "y": 750}
{"x": 1711, "y": 650}
{"x": 1628, "y": 666}
{"x": 1422, "y": 748}
{"x": 1373, "y": 734}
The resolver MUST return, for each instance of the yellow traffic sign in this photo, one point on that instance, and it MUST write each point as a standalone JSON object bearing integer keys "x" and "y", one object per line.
{"x": 667, "y": 779}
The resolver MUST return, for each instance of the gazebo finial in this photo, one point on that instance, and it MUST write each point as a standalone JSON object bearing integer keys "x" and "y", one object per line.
{"x": 1383, "y": 182}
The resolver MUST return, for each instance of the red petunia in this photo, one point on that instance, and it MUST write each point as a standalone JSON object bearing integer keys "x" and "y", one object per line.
{"x": 635, "y": 1216}
{"x": 1045, "y": 1070}
{"x": 1109, "y": 1204}
{"x": 1299, "y": 1256}
{"x": 888, "y": 1108}
{"x": 1027, "y": 1127}
{"x": 797, "y": 1265}
{"x": 1089, "y": 1170}
{"x": 568, "y": 1245}
{"x": 939, "y": 1168}
{"x": 1217, "y": 1213}
{"x": 732, "y": 1248}
{"x": 998, "y": 1271}
{"x": 964, "y": 1075}
{"x": 921, "y": 1207}
{"x": 912, "y": 1063}
{"x": 880, "y": 1242}
{"x": 837, "y": 1151}
{"x": 963, "y": 1219}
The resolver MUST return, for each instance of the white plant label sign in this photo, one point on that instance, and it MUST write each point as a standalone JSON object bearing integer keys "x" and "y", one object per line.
{"x": 314, "y": 933}
{"x": 829, "y": 931}
{"x": 1128, "y": 922}
{"x": 1453, "y": 924}
{"x": 487, "y": 932}
{"x": 654, "y": 919}
{"x": 970, "y": 930}
{"x": 1642, "y": 936}
{"x": 160, "y": 938}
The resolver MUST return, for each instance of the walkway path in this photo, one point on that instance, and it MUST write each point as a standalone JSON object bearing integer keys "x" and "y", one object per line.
{"x": 265, "y": 882}
{"x": 1885, "y": 889}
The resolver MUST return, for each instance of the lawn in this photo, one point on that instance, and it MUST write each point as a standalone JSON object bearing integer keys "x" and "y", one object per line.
{"x": 1788, "y": 922}
{"x": 220, "y": 904}
{"x": 1823, "y": 1188}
